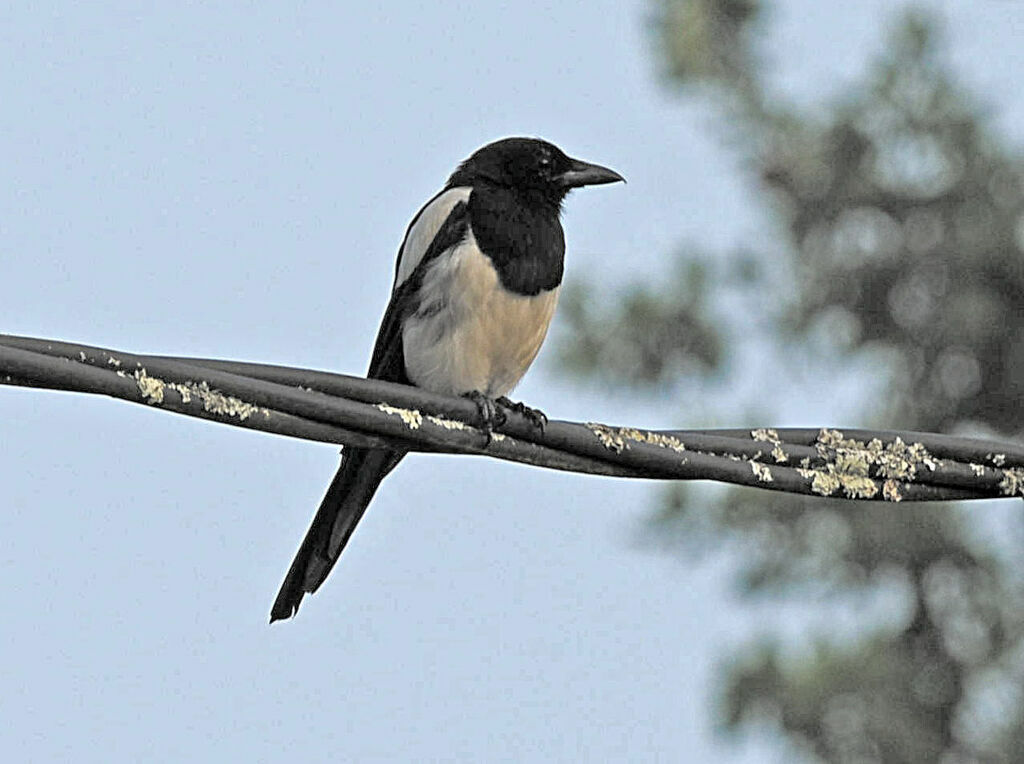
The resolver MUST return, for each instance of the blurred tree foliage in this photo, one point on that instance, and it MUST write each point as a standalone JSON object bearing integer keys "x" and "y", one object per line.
{"x": 903, "y": 218}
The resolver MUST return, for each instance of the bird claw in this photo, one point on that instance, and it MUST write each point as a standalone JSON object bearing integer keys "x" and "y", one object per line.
{"x": 491, "y": 415}
{"x": 537, "y": 417}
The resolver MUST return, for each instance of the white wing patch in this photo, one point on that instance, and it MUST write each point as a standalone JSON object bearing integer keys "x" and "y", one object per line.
{"x": 470, "y": 333}
{"x": 424, "y": 228}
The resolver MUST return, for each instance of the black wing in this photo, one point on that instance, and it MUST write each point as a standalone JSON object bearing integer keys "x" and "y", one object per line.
{"x": 388, "y": 360}
{"x": 362, "y": 469}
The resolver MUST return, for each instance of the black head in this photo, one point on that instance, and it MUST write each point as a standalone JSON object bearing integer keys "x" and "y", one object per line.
{"x": 532, "y": 166}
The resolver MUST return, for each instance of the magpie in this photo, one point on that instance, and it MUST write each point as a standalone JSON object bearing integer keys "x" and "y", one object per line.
{"x": 476, "y": 282}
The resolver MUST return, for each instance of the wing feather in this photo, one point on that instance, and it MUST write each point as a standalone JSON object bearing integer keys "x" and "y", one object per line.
{"x": 388, "y": 360}
{"x": 423, "y": 229}
{"x": 362, "y": 469}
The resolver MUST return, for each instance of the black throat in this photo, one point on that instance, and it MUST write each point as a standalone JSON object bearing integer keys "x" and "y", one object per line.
{"x": 521, "y": 234}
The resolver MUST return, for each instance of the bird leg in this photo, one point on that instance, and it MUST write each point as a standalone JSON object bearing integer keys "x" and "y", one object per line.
{"x": 537, "y": 417}
{"x": 491, "y": 415}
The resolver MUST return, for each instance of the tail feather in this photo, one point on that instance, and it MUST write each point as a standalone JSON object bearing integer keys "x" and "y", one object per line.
{"x": 354, "y": 485}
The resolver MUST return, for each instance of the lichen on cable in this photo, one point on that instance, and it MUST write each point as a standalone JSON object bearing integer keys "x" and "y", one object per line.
{"x": 614, "y": 438}
{"x": 412, "y": 417}
{"x": 214, "y": 401}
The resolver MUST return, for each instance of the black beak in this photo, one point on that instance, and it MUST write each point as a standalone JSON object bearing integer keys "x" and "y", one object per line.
{"x": 586, "y": 174}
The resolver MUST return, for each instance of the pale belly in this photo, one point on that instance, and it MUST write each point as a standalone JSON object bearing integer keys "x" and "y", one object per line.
{"x": 469, "y": 333}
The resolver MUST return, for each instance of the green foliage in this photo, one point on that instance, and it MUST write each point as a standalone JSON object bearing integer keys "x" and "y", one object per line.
{"x": 817, "y": 545}
{"x": 647, "y": 337}
{"x": 903, "y": 218}
{"x": 708, "y": 40}
{"x": 907, "y": 217}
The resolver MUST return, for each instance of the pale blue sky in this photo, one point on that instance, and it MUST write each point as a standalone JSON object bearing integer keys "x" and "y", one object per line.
{"x": 234, "y": 182}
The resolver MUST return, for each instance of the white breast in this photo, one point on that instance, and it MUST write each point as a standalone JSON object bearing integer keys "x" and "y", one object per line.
{"x": 469, "y": 333}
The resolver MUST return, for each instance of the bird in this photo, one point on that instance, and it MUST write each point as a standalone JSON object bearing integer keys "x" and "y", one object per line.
{"x": 476, "y": 282}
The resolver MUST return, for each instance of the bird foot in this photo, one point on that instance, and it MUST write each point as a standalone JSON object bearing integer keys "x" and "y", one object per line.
{"x": 537, "y": 417}
{"x": 491, "y": 415}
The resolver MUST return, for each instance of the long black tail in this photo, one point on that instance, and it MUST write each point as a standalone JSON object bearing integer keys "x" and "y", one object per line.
{"x": 349, "y": 494}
